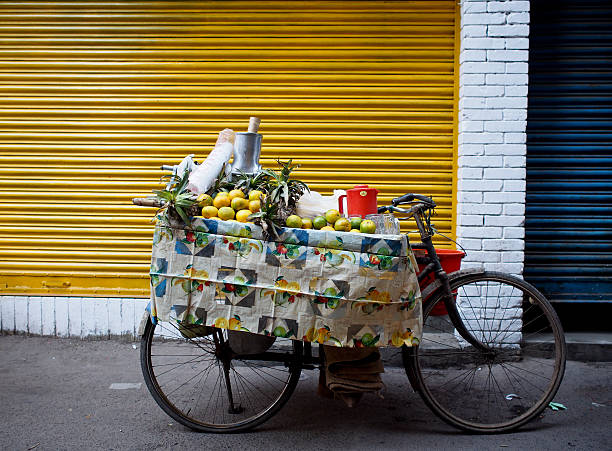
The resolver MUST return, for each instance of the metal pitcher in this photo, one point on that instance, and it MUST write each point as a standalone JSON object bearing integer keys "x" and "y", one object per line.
{"x": 247, "y": 148}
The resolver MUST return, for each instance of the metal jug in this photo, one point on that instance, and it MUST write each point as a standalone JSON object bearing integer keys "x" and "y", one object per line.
{"x": 247, "y": 149}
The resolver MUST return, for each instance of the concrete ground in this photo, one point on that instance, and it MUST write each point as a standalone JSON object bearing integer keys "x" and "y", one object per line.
{"x": 55, "y": 394}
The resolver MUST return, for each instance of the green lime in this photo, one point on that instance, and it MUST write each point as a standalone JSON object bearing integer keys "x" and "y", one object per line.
{"x": 319, "y": 222}
{"x": 355, "y": 222}
{"x": 279, "y": 331}
{"x": 367, "y": 339}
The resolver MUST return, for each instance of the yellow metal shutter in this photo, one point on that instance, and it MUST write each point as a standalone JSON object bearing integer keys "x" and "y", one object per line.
{"x": 95, "y": 96}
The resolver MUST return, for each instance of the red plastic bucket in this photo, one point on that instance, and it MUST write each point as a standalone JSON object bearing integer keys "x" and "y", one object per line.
{"x": 450, "y": 260}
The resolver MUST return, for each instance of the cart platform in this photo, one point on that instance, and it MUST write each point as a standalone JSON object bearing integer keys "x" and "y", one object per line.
{"x": 337, "y": 288}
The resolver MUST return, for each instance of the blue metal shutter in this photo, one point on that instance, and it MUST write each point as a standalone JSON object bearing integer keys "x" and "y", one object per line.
{"x": 568, "y": 238}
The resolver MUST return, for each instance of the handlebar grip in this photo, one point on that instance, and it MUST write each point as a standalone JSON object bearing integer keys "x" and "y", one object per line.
{"x": 410, "y": 197}
{"x": 166, "y": 167}
{"x": 405, "y": 198}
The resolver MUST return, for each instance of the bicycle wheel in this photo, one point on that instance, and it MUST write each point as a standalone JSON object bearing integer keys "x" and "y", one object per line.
{"x": 505, "y": 383}
{"x": 198, "y": 379}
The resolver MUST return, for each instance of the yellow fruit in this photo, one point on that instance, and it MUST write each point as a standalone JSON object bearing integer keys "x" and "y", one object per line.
{"x": 255, "y": 205}
{"x": 332, "y": 216}
{"x": 355, "y": 231}
{"x": 330, "y": 228}
{"x": 234, "y": 324}
{"x": 204, "y": 200}
{"x": 367, "y": 226}
{"x": 311, "y": 334}
{"x": 236, "y": 193}
{"x": 396, "y": 339}
{"x": 242, "y": 215}
{"x": 210, "y": 211}
{"x": 221, "y": 323}
{"x": 323, "y": 335}
{"x": 226, "y": 213}
{"x": 238, "y": 203}
{"x": 294, "y": 221}
{"x": 255, "y": 195}
{"x": 306, "y": 223}
{"x": 319, "y": 222}
{"x": 222, "y": 200}
{"x": 342, "y": 225}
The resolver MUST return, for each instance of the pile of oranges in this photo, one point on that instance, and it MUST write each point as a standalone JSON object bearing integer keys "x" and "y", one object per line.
{"x": 233, "y": 205}
{"x": 333, "y": 220}
{"x": 237, "y": 206}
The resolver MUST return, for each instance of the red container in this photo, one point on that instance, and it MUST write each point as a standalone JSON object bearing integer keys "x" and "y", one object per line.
{"x": 361, "y": 201}
{"x": 450, "y": 260}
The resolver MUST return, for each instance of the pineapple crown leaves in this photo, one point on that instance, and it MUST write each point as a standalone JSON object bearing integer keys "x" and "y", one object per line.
{"x": 176, "y": 196}
{"x": 221, "y": 183}
{"x": 283, "y": 187}
{"x": 267, "y": 217}
{"x": 247, "y": 182}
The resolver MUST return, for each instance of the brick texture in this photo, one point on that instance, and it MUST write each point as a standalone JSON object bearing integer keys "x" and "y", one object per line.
{"x": 492, "y": 124}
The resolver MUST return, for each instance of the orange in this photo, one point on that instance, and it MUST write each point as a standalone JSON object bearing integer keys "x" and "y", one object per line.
{"x": 236, "y": 193}
{"x": 210, "y": 211}
{"x": 332, "y": 216}
{"x": 367, "y": 226}
{"x": 355, "y": 231}
{"x": 319, "y": 222}
{"x": 255, "y": 205}
{"x": 226, "y": 213}
{"x": 306, "y": 223}
{"x": 238, "y": 203}
{"x": 330, "y": 228}
{"x": 294, "y": 221}
{"x": 222, "y": 200}
{"x": 342, "y": 225}
{"x": 242, "y": 215}
{"x": 204, "y": 200}
{"x": 255, "y": 195}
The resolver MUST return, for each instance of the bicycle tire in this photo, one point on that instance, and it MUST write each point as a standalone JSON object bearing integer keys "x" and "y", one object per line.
{"x": 190, "y": 396}
{"x": 490, "y": 390}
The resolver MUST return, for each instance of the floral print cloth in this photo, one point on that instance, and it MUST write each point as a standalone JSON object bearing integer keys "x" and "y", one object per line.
{"x": 336, "y": 288}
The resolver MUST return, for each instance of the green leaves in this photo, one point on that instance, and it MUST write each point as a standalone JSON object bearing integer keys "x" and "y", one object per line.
{"x": 247, "y": 182}
{"x": 176, "y": 198}
{"x": 221, "y": 183}
{"x": 283, "y": 189}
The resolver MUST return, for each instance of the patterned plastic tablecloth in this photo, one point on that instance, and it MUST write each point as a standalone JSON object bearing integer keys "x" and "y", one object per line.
{"x": 336, "y": 288}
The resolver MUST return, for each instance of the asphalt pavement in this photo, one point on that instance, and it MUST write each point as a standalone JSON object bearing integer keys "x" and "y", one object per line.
{"x": 65, "y": 394}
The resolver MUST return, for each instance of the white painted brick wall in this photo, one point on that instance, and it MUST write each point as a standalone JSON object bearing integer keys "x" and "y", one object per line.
{"x": 492, "y": 124}
{"x": 71, "y": 316}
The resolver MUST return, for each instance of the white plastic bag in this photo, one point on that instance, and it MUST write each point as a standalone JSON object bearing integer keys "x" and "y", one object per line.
{"x": 204, "y": 175}
{"x": 313, "y": 204}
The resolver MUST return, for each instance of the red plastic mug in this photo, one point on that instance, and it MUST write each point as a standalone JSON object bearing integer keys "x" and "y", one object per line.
{"x": 360, "y": 201}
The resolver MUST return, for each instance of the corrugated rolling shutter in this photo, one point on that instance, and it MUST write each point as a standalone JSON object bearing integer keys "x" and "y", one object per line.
{"x": 569, "y": 151}
{"x": 95, "y": 96}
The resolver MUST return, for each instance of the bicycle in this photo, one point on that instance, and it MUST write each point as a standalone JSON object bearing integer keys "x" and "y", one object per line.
{"x": 475, "y": 368}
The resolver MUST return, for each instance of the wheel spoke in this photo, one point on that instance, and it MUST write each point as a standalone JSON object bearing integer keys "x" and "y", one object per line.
{"x": 512, "y": 378}
{"x": 186, "y": 377}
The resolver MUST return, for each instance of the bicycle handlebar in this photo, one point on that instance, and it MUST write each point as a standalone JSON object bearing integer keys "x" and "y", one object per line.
{"x": 409, "y": 197}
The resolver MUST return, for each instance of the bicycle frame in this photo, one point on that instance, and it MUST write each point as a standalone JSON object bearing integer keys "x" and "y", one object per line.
{"x": 433, "y": 266}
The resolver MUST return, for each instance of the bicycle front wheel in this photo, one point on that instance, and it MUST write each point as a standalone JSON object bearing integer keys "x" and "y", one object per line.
{"x": 507, "y": 381}
{"x": 215, "y": 380}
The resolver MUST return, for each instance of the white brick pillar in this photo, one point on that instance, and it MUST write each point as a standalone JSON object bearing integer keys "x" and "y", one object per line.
{"x": 492, "y": 124}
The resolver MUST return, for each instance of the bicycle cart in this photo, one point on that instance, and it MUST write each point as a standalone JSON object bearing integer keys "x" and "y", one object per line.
{"x": 479, "y": 365}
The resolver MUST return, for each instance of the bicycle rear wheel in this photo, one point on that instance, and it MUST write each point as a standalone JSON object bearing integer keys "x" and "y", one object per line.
{"x": 508, "y": 381}
{"x": 209, "y": 380}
